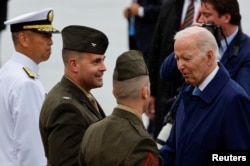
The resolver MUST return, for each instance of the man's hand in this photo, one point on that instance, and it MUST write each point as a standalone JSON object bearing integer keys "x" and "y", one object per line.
{"x": 151, "y": 108}
{"x": 127, "y": 13}
{"x": 135, "y": 9}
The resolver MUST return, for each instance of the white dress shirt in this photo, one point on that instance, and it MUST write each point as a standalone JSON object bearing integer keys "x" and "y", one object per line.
{"x": 208, "y": 79}
{"x": 21, "y": 98}
{"x": 227, "y": 40}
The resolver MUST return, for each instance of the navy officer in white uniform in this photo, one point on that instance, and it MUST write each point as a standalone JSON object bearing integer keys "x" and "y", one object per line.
{"x": 22, "y": 93}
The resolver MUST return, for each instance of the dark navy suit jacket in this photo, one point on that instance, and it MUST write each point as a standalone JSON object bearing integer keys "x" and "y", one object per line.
{"x": 217, "y": 119}
{"x": 144, "y": 26}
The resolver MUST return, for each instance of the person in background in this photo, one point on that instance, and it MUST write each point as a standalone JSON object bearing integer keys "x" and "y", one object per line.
{"x": 171, "y": 19}
{"x": 22, "y": 92}
{"x": 233, "y": 42}
{"x": 69, "y": 107}
{"x": 142, "y": 17}
{"x": 213, "y": 112}
{"x": 3, "y": 17}
{"x": 121, "y": 139}
{"x": 223, "y": 19}
{"x": 3, "y": 13}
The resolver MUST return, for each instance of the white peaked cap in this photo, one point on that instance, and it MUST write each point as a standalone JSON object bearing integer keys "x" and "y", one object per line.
{"x": 40, "y": 21}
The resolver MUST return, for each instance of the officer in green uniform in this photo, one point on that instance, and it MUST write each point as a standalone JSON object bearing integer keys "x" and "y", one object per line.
{"x": 121, "y": 139}
{"x": 70, "y": 108}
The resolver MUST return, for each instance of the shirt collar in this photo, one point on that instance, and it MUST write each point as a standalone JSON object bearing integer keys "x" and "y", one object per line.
{"x": 26, "y": 62}
{"x": 208, "y": 79}
{"x": 88, "y": 94}
{"x": 226, "y": 41}
{"x": 82, "y": 89}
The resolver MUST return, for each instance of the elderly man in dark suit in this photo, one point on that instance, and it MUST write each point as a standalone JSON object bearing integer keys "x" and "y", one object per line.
{"x": 121, "y": 139}
{"x": 70, "y": 108}
{"x": 213, "y": 111}
{"x": 223, "y": 19}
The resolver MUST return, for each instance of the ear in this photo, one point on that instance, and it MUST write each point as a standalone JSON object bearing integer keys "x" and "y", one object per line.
{"x": 23, "y": 39}
{"x": 210, "y": 57}
{"x": 226, "y": 18}
{"x": 73, "y": 65}
{"x": 114, "y": 93}
{"x": 144, "y": 92}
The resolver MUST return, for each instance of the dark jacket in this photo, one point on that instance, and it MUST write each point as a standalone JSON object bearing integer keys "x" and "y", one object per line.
{"x": 3, "y": 13}
{"x": 64, "y": 118}
{"x": 167, "y": 25}
{"x": 144, "y": 26}
{"x": 216, "y": 120}
{"x": 120, "y": 139}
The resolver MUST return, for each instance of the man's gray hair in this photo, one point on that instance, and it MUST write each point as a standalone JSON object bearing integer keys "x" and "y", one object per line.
{"x": 202, "y": 37}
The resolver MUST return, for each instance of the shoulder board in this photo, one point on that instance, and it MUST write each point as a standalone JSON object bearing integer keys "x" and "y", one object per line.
{"x": 29, "y": 72}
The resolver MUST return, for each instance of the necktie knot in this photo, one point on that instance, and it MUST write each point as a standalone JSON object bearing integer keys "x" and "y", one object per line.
{"x": 93, "y": 101}
{"x": 196, "y": 91}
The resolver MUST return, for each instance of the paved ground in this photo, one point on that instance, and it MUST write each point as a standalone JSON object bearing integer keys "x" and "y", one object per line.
{"x": 105, "y": 15}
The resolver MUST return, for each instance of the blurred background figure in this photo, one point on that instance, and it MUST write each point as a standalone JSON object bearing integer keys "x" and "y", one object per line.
{"x": 3, "y": 13}
{"x": 174, "y": 16}
{"x": 3, "y": 17}
{"x": 142, "y": 17}
{"x": 224, "y": 19}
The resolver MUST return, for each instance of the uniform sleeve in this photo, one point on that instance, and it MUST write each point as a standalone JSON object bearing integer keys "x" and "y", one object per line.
{"x": 27, "y": 100}
{"x": 66, "y": 129}
{"x": 144, "y": 153}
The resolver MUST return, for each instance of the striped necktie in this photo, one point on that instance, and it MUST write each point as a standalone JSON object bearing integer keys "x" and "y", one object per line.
{"x": 188, "y": 21}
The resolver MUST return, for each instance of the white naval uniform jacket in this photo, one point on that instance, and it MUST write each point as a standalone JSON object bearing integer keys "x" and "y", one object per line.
{"x": 21, "y": 97}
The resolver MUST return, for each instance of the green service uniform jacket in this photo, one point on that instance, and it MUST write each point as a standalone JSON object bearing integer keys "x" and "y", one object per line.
{"x": 64, "y": 118}
{"x": 118, "y": 140}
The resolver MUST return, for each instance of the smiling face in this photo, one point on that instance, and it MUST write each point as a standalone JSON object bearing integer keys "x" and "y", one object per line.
{"x": 90, "y": 70}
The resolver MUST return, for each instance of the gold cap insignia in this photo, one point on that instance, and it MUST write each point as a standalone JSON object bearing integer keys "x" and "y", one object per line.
{"x": 51, "y": 15}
